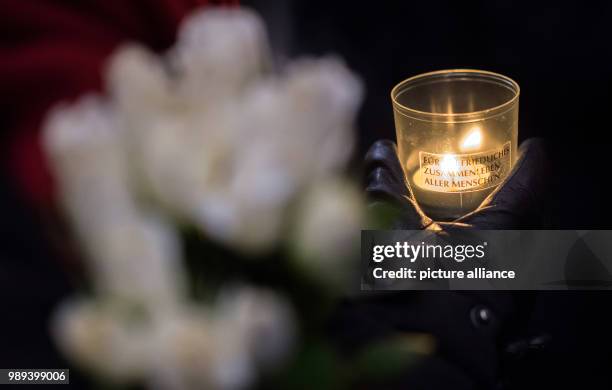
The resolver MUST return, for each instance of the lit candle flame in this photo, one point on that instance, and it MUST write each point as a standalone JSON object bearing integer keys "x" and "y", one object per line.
{"x": 449, "y": 164}
{"x": 472, "y": 140}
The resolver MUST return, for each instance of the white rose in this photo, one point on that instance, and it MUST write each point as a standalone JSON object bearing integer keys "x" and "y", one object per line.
{"x": 103, "y": 340}
{"x": 327, "y": 228}
{"x": 323, "y": 97}
{"x": 218, "y": 51}
{"x": 84, "y": 145}
{"x": 138, "y": 82}
{"x": 195, "y": 350}
{"x": 138, "y": 259}
{"x": 262, "y": 320}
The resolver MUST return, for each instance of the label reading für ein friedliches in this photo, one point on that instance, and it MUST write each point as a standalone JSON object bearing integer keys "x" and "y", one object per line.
{"x": 463, "y": 172}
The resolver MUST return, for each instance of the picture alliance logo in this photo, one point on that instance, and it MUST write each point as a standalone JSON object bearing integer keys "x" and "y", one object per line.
{"x": 413, "y": 252}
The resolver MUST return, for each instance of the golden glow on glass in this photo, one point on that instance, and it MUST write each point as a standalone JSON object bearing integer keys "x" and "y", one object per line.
{"x": 472, "y": 140}
{"x": 449, "y": 164}
{"x": 457, "y": 134}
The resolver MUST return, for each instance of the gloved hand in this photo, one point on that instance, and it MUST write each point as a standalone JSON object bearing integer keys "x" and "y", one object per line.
{"x": 515, "y": 204}
{"x": 468, "y": 326}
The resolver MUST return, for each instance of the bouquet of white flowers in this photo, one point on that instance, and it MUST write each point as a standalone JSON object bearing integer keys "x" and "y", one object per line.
{"x": 208, "y": 194}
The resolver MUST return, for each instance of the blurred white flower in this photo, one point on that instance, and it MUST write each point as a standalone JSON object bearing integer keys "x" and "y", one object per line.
{"x": 291, "y": 130}
{"x": 98, "y": 339}
{"x": 138, "y": 259}
{"x": 193, "y": 348}
{"x": 246, "y": 329}
{"x": 139, "y": 84}
{"x": 325, "y": 97}
{"x": 84, "y": 144}
{"x": 190, "y": 355}
{"x": 218, "y": 51}
{"x": 220, "y": 142}
{"x": 327, "y": 230}
{"x": 205, "y": 134}
{"x": 260, "y": 320}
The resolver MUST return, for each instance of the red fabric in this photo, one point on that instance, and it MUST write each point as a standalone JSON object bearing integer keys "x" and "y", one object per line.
{"x": 55, "y": 50}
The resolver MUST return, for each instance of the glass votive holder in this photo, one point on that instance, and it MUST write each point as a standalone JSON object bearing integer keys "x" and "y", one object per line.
{"x": 457, "y": 134}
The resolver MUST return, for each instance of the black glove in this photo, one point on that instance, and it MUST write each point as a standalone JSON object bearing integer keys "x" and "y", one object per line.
{"x": 467, "y": 325}
{"x": 518, "y": 203}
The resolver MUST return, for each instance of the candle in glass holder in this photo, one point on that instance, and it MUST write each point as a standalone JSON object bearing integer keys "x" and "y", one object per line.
{"x": 457, "y": 135}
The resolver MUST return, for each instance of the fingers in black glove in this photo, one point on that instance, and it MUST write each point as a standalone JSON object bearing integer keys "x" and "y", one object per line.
{"x": 517, "y": 203}
{"x": 386, "y": 184}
